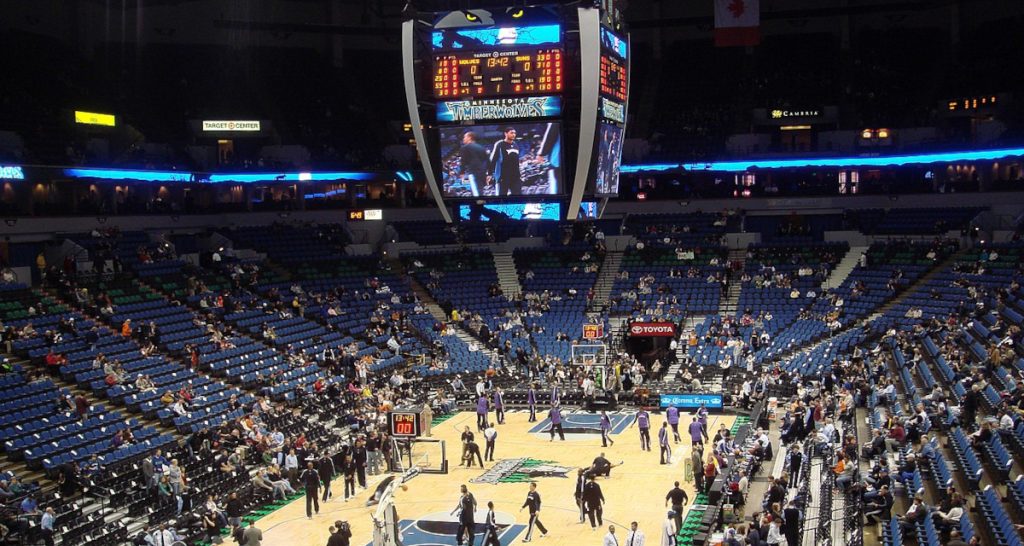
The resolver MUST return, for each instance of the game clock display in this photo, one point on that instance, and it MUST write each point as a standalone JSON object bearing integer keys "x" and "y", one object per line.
{"x": 613, "y": 78}
{"x": 497, "y": 73}
{"x": 404, "y": 424}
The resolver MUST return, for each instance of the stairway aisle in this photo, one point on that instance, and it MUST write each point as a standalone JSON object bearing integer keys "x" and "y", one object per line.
{"x": 508, "y": 276}
{"x": 843, "y": 269}
{"x": 730, "y": 300}
{"x": 606, "y": 280}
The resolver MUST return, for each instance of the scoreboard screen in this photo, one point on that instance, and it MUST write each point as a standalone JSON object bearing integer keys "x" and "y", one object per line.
{"x": 524, "y": 71}
{"x": 404, "y": 424}
{"x": 613, "y": 78}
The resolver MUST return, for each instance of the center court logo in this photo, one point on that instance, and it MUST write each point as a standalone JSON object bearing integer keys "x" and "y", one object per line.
{"x": 521, "y": 470}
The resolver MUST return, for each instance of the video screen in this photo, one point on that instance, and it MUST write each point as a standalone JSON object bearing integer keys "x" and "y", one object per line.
{"x": 489, "y": 37}
{"x": 588, "y": 211}
{"x": 512, "y": 159}
{"x": 494, "y": 212}
{"x": 609, "y": 158}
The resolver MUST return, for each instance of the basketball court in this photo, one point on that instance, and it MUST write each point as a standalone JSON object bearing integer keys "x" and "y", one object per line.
{"x": 634, "y": 492}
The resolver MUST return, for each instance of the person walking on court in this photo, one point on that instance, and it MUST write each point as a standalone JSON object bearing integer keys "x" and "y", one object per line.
{"x": 531, "y": 400}
{"x": 593, "y": 501}
{"x": 490, "y": 436}
{"x": 643, "y": 421}
{"x": 677, "y": 498}
{"x": 533, "y": 503}
{"x": 672, "y": 415}
{"x": 252, "y": 536}
{"x": 481, "y": 412}
{"x": 348, "y": 471}
{"x": 581, "y": 484}
{"x": 635, "y": 537}
{"x": 359, "y": 457}
{"x": 696, "y": 432}
{"x": 499, "y": 406}
{"x": 465, "y": 510}
{"x": 669, "y": 530}
{"x": 556, "y": 422}
{"x": 491, "y": 527}
{"x": 663, "y": 443}
{"x": 311, "y": 479}
{"x": 325, "y": 467}
{"x": 606, "y": 429}
{"x": 610, "y": 539}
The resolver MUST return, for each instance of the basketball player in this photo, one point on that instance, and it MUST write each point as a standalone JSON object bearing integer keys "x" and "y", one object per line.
{"x": 531, "y": 400}
{"x": 481, "y": 412}
{"x": 666, "y": 448}
{"x": 581, "y": 483}
{"x": 499, "y": 406}
{"x": 491, "y": 527}
{"x": 643, "y": 421}
{"x": 504, "y": 165}
{"x": 606, "y": 429}
{"x": 533, "y": 503}
{"x": 556, "y": 422}
{"x": 672, "y": 414}
{"x": 465, "y": 510}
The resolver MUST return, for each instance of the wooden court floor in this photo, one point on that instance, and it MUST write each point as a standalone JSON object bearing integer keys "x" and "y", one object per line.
{"x": 634, "y": 492}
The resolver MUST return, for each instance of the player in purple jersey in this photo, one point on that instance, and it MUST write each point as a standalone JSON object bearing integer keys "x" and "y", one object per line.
{"x": 556, "y": 422}
{"x": 643, "y": 421}
{"x": 672, "y": 414}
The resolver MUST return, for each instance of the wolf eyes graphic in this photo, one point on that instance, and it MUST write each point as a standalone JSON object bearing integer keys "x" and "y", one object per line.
{"x": 484, "y": 17}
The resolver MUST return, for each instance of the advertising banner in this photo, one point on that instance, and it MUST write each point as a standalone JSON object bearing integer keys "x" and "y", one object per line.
{"x": 692, "y": 401}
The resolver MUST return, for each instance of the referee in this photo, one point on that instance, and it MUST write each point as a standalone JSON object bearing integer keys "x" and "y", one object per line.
{"x": 533, "y": 503}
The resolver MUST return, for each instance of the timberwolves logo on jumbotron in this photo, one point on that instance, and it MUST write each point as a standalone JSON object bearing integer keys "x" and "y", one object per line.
{"x": 521, "y": 470}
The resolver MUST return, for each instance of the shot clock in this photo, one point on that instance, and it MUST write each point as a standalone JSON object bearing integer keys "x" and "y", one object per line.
{"x": 404, "y": 423}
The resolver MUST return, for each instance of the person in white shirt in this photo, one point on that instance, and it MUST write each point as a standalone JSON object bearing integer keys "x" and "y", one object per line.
{"x": 480, "y": 387}
{"x": 668, "y": 530}
{"x": 635, "y": 537}
{"x": 610, "y": 539}
{"x": 775, "y": 535}
{"x": 1006, "y": 422}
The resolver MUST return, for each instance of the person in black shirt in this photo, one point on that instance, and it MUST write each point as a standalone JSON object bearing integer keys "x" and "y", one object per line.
{"x": 796, "y": 460}
{"x": 311, "y": 479}
{"x": 791, "y": 523}
{"x": 359, "y": 457}
{"x": 491, "y": 527}
{"x": 678, "y": 498}
{"x": 474, "y": 162}
{"x": 348, "y": 469}
{"x": 234, "y": 509}
{"x": 593, "y": 500}
{"x": 533, "y": 503}
{"x": 465, "y": 510}
{"x": 471, "y": 450}
{"x": 581, "y": 484}
{"x": 325, "y": 468}
{"x": 504, "y": 165}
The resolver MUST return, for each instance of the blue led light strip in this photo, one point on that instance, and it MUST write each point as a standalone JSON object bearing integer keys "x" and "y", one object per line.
{"x": 118, "y": 174}
{"x": 249, "y": 178}
{"x": 882, "y": 161}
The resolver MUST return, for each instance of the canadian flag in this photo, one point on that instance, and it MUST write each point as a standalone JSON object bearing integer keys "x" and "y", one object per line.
{"x": 737, "y": 23}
